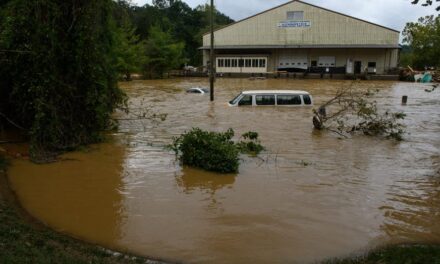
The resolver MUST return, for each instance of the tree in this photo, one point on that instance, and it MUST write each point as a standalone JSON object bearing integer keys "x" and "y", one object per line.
{"x": 426, "y": 3}
{"x": 58, "y": 80}
{"x": 162, "y": 53}
{"x": 129, "y": 49}
{"x": 424, "y": 39}
{"x": 354, "y": 110}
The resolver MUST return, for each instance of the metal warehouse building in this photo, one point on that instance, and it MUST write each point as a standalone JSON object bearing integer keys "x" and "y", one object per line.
{"x": 298, "y": 36}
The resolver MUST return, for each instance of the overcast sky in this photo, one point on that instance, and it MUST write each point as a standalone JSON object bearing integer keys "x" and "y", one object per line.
{"x": 389, "y": 13}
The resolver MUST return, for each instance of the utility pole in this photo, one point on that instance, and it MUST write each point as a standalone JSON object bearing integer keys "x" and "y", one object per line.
{"x": 211, "y": 55}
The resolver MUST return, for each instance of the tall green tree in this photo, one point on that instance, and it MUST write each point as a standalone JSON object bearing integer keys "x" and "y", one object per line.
{"x": 424, "y": 39}
{"x": 58, "y": 80}
{"x": 184, "y": 23}
{"x": 129, "y": 48}
{"x": 162, "y": 52}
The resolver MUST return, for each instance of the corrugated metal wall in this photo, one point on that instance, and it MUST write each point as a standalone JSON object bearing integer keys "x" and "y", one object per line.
{"x": 327, "y": 28}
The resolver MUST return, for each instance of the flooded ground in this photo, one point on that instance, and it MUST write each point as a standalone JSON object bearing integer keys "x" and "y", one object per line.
{"x": 309, "y": 197}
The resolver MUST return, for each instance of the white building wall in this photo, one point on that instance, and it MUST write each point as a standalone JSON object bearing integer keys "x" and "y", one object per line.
{"x": 327, "y": 28}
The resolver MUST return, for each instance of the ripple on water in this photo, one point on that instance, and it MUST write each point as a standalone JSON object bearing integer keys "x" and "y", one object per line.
{"x": 310, "y": 196}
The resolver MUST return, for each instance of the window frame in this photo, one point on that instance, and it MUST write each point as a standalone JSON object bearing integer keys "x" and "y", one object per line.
{"x": 265, "y": 95}
{"x": 298, "y": 96}
{"x": 244, "y": 96}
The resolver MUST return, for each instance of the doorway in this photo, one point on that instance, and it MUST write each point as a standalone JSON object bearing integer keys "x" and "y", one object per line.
{"x": 357, "y": 67}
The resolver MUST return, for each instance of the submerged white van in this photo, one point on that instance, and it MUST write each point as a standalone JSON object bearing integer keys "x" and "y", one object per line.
{"x": 272, "y": 97}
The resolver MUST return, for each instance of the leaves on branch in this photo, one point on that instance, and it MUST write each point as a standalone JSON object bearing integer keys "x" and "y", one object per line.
{"x": 354, "y": 110}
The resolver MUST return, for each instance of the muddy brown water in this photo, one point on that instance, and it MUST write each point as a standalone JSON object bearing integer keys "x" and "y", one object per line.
{"x": 309, "y": 197}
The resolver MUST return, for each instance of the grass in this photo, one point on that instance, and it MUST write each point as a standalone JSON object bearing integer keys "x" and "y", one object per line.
{"x": 399, "y": 254}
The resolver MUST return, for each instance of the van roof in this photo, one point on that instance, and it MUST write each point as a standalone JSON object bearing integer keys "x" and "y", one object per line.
{"x": 275, "y": 92}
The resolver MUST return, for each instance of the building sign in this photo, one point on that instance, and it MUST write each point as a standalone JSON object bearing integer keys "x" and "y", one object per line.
{"x": 295, "y": 24}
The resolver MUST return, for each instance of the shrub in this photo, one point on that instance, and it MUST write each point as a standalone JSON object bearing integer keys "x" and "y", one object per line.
{"x": 353, "y": 110}
{"x": 251, "y": 144}
{"x": 207, "y": 150}
{"x": 214, "y": 151}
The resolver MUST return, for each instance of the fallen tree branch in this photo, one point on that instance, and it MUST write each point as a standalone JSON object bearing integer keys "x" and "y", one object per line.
{"x": 11, "y": 122}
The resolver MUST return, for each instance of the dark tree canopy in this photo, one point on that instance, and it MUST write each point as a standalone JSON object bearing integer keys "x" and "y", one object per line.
{"x": 185, "y": 24}
{"x": 424, "y": 40}
{"x": 57, "y": 79}
{"x": 426, "y": 3}
{"x": 61, "y": 60}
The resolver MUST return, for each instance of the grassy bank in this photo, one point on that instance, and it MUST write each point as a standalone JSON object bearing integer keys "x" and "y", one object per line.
{"x": 22, "y": 240}
{"x": 399, "y": 254}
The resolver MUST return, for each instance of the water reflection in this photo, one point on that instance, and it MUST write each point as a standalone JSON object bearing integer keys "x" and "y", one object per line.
{"x": 191, "y": 180}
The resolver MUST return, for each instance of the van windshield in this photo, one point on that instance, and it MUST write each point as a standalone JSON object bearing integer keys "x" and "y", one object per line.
{"x": 235, "y": 100}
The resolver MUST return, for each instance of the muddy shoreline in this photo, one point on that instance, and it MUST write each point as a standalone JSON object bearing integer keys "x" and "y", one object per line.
{"x": 60, "y": 244}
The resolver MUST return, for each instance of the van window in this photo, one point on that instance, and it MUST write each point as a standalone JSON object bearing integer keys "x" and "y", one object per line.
{"x": 290, "y": 99}
{"x": 307, "y": 99}
{"x": 265, "y": 99}
{"x": 246, "y": 100}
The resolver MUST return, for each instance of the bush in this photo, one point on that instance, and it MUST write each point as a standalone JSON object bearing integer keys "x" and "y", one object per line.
{"x": 251, "y": 144}
{"x": 207, "y": 150}
{"x": 353, "y": 110}
{"x": 214, "y": 151}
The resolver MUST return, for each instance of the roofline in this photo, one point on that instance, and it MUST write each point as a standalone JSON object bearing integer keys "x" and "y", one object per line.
{"x": 275, "y": 92}
{"x": 339, "y": 13}
{"x": 325, "y": 46}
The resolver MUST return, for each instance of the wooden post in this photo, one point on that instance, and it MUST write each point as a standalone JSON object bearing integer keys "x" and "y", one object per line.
{"x": 211, "y": 57}
{"x": 404, "y": 99}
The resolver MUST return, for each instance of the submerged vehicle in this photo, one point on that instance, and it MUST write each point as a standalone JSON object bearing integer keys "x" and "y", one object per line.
{"x": 198, "y": 90}
{"x": 272, "y": 98}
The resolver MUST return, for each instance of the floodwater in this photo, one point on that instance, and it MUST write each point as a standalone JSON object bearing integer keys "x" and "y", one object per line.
{"x": 309, "y": 197}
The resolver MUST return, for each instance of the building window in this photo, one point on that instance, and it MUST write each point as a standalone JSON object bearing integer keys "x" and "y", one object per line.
{"x": 228, "y": 63}
{"x": 234, "y": 63}
{"x": 295, "y": 15}
{"x": 254, "y": 63}
{"x": 372, "y": 65}
{"x": 262, "y": 63}
{"x": 221, "y": 63}
{"x": 248, "y": 63}
{"x": 240, "y": 63}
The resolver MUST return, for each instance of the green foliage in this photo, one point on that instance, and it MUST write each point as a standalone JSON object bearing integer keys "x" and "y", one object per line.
{"x": 211, "y": 151}
{"x": 426, "y": 3}
{"x": 214, "y": 151}
{"x": 162, "y": 53}
{"x": 410, "y": 254}
{"x": 406, "y": 56}
{"x": 185, "y": 24}
{"x": 58, "y": 78}
{"x": 424, "y": 39}
{"x": 251, "y": 144}
{"x": 129, "y": 49}
{"x": 355, "y": 111}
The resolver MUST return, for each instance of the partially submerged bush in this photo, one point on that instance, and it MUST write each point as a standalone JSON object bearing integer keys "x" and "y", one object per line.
{"x": 354, "y": 111}
{"x": 214, "y": 151}
{"x": 251, "y": 144}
